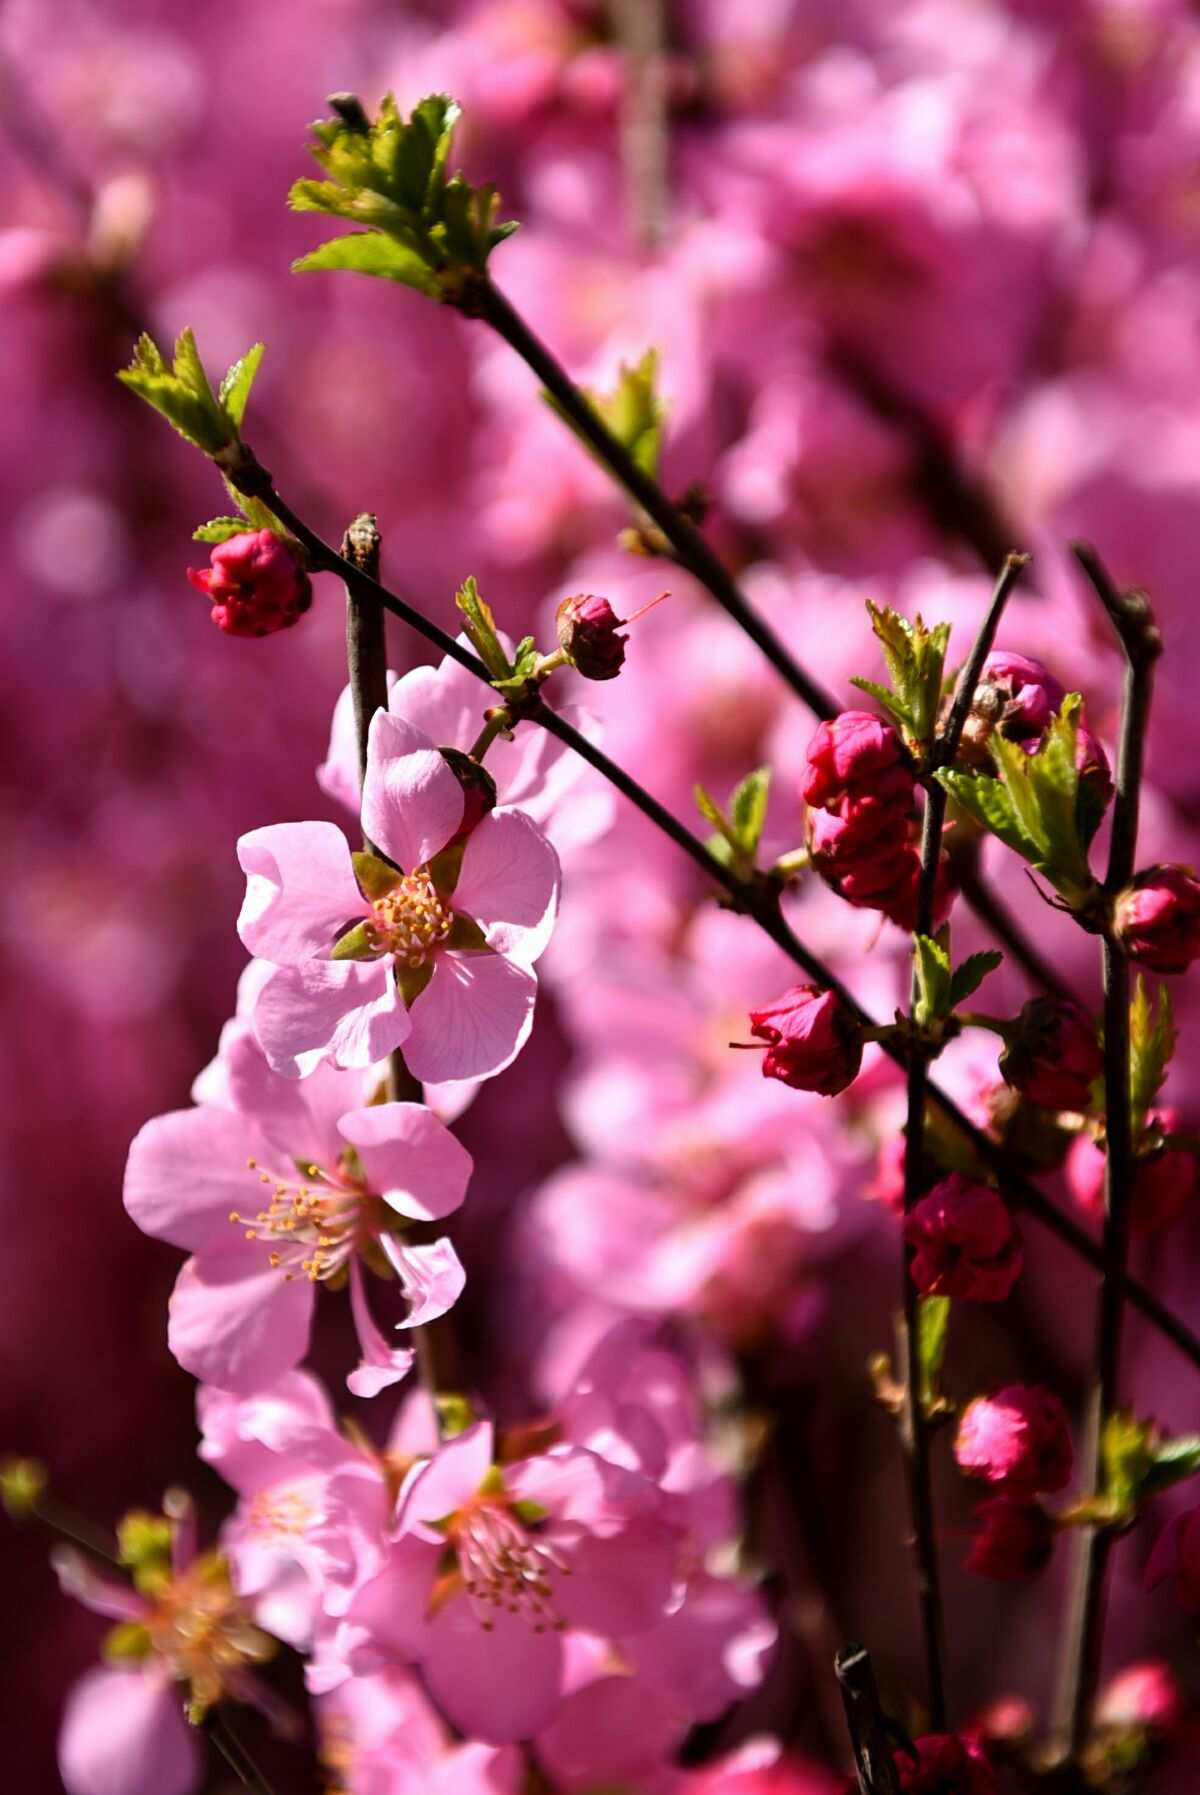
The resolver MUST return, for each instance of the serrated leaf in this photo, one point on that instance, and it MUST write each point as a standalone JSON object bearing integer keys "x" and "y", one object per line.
{"x": 1013, "y": 764}
{"x": 369, "y": 252}
{"x": 633, "y": 412}
{"x": 1152, "y": 1038}
{"x": 970, "y": 975}
{"x": 933, "y": 980}
{"x": 895, "y": 710}
{"x": 712, "y": 813}
{"x": 933, "y": 1325}
{"x": 915, "y": 658}
{"x": 748, "y": 810}
{"x": 235, "y": 388}
{"x": 481, "y": 628}
{"x": 220, "y": 529}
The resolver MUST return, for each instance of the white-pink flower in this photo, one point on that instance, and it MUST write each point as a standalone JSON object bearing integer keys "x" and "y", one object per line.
{"x": 281, "y": 1187}
{"x": 436, "y": 958}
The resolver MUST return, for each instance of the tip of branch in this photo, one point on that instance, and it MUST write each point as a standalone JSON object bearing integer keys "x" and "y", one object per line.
{"x": 1130, "y": 611}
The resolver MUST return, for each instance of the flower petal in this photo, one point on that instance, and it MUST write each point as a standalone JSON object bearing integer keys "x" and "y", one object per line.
{"x": 188, "y": 1171}
{"x": 498, "y": 1685}
{"x": 380, "y": 1365}
{"x": 471, "y": 1020}
{"x": 124, "y": 1733}
{"x": 412, "y": 803}
{"x": 410, "y": 1158}
{"x": 300, "y": 890}
{"x": 509, "y": 883}
{"x": 451, "y": 1477}
{"x": 348, "y": 1011}
{"x": 236, "y": 1321}
{"x": 431, "y": 1277}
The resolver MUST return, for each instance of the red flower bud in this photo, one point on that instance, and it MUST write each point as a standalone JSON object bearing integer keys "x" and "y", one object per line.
{"x": 1157, "y": 918}
{"x": 1053, "y": 1055}
{"x": 815, "y": 1044}
{"x": 946, "y": 1764}
{"x": 1013, "y": 1541}
{"x": 255, "y": 584}
{"x": 1164, "y": 1181}
{"x": 587, "y": 627}
{"x": 965, "y": 1243}
{"x": 1019, "y": 1439}
{"x": 853, "y": 749}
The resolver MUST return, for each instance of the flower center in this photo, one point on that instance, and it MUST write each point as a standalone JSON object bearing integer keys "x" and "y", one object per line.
{"x": 314, "y": 1227}
{"x": 278, "y": 1512}
{"x": 410, "y": 921}
{"x": 202, "y": 1633}
{"x": 503, "y": 1566}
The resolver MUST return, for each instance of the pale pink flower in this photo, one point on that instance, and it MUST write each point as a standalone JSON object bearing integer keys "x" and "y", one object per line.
{"x": 384, "y": 1737}
{"x": 439, "y": 963}
{"x": 280, "y": 1188}
{"x": 124, "y": 1733}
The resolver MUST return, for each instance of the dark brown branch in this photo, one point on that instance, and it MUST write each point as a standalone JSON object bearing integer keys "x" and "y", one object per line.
{"x": 874, "y": 1759}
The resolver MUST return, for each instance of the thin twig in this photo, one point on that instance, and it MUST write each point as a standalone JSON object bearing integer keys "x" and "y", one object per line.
{"x": 221, "y": 1731}
{"x": 915, "y": 1431}
{"x": 759, "y": 903}
{"x": 1138, "y": 632}
{"x": 874, "y": 1759}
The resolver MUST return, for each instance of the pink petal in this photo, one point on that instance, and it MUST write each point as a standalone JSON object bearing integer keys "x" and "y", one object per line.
{"x": 450, "y": 1478}
{"x": 337, "y": 775}
{"x": 78, "y": 1578}
{"x": 412, "y": 803}
{"x": 623, "y": 1584}
{"x": 124, "y": 1733}
{"x": 446, "y": 703}
{"x": 472, "y": 1019}
{"x": 187, "y": 1171}
{"x": 380, "y": 1365}
{"x": 615, "y": 1732}
{"x": 348, "y": 1011}
{"x": 236, "y": 1321}
{"x": 411, "y": 1160}
{"x": 509, "y": 883}
{"x": 300, "y": 1116}
{"x": 499, "y": 1685}
{"x": 300, "y": 890}
{"x": 431, "y": 1277}
{"x": 390, "y": 1608}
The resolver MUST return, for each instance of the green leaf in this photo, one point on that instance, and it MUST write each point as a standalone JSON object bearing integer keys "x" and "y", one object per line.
{"x": 748, "y": 810}
{"x": 970, "y": 975}
{"x": 367, "y": 252}
{"x": 1127, "y": 1451}
{"x": 235, "y": 388}
{"x": 1152, "y": 1038}
{"x": 480, "y": 626}
{"x": 895, "y": 710}
{"x": 181, "y": 393}
{"x": 933, "y": 980}
{"x": 1013, "y": 765}
{"x": 1173, "y": 1460}
{"x": 987, "y": 801}
{"x": 220, "y": 529}
{"x": 712, "y": 813}
{"x": 633, "y": 411}
{"x": 916, "y": 661}
{"x": 933, "y": 1325}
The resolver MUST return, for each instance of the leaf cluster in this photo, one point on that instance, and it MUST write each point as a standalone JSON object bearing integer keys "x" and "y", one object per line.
{"x": 634, "y": 412}
{"x": 182, "y": 392}
{"x": 1035, "y": 805}
{"x": 420, "y": 227}
{"x": 510, "y": 673}
{"x": 1139, "y": 1461}
{"x": 1152, "y": 1037}
{"x": 941, "y": 989}
{"x": 916, "y": 664}
{"x": 738, "y": 832}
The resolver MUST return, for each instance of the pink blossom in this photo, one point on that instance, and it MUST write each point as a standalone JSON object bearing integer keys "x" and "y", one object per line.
{"x": 849, "y": 754}
{"x": 383, "y": 1737}
{"x": 1013, "y": 1540}
{"x": 813, "y": 1042}
{"x": 762, "y": 1767}
{"x": 1164, "y": 1181}
{"x": 1176, "y": 1554}
{"x": 964, "y": 1243}
{"x": 1053, "y": 1056}
{"x": 491, "y": 1566}
{"x": 946, "y": 1764}
{"x": 1157, "y": 918}
{"x": 1016, "y": 695}
{"x": 1146, "y": 1694}
{"x": 124, "y": 1733}
{"x": 1019, "y": 1439}
{"x": 255, "y": 585}
{"x": 438, "y": 961}
{"x": 280, "y": 1188}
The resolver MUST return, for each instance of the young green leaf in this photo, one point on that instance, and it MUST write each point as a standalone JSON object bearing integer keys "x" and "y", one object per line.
{"x": 367, "y": 252}
{"x": 633, "y": 411}
{"x": 933, "y": 1325}
{"x": 181, "y": 393}
{"x": 480, "y": 626}
{"x": 895, "y": 710}
{"x": 970, "y": 975}
{"x": 933, "y": 981}
{"x": 1172, "y": 1461}
{"x": 712, "y": 813}
{"x": 916, "y": 660}
{"x": 1152, "y": 1039}
{"x": 748, "y": 810}
{"x": 1127, "y": 1451}
{"x": 235, "y": 388}
{"x": 220, "y": 529}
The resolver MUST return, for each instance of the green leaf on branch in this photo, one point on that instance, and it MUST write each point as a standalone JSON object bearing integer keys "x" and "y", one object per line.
{"x": 895, "y": 710}
{"x": 916, "y": 664}
{"x": 181, "y": 393}
{"x": 933, "y": 1325}
{"x": 422, "y": 229}
{"x": 1127, "y": 1453}
{"x": 480, "y": 626}
{"x": 970, "y": 975}
{"x": 220, "y": 529}
{"x": 633, "y": 412}
{"x": 234, "y": 390}
{"x": 933, "y": 980}
{"x": 1174, "y": 1459}
{"x": 524, "y": 666}
{"x": 748, "y": 809}
{"x": 1032, "y": 805}
{"x": 1152, "y": 1037}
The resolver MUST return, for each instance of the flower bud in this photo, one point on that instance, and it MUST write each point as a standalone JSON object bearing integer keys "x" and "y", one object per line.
{"x": 814, "y": 1043}
{"x": 853, "y": 750}
{"x": 965, "y": 1243}
{"x": 1019, "y": 1439}
{"x": 945, "y": 1764}
{"x": 1164, "y": 1181}
{"x": 1157, "y": 918}
{"x": 255, "y": 584}
{"x": 1015, "y": 695}
{"x": 1142, "y": 1695}
{"x": 1053, "y": 1055}
{"x": 1013, "y": 1540}
{"x": 587, "y": 627}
